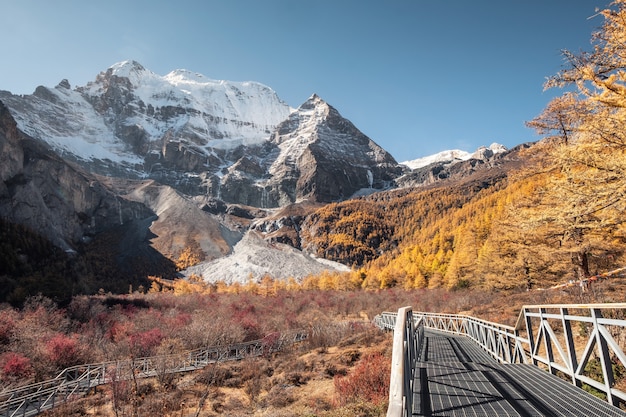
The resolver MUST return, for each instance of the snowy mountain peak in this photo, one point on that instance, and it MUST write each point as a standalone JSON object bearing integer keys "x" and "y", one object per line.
{"x": 328, "y": 155}
{"x": 185, "y": 76}
{"x": 496, "y": 148}
{"x": 236, "y": 141}
{"x": 314, "y": 99}
{"x": 313, "y": 102}
{"x": 127, "y": 69}
{"x": 455, "y": 155}
{"x": 487, "y": 152}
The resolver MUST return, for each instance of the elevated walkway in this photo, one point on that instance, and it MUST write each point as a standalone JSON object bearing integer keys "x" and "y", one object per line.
{"x": 456, "y": 365}
{"x": 456, "y": 377}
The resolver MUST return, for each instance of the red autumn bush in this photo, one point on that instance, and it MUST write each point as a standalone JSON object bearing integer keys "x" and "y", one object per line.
{"x": 144, "y": 343}
{"x": 16, "y": 366}
{"x": 368, "y": 381}
{"x": 63, "y": 351}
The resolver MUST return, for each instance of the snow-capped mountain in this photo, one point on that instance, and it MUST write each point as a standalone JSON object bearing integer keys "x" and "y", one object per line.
{"x": 236, "y": 141}
{"x": 318, "y": 128}
{"x": 452, "y": 165}
{"x": 129, "y": 111}
{"x": 314, "y": 154}
{"x": 222, "y": 169}
{"x": 455, "y": 155}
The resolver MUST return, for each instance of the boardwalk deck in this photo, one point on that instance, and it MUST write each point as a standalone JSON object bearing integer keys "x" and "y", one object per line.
{"x": 455, "y": 377}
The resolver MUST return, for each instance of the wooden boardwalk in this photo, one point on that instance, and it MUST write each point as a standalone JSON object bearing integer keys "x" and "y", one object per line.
{"x": 456, "y": 377}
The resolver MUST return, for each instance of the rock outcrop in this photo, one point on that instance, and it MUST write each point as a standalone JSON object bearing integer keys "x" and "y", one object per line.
{"x": 49, "y": 195}
{"x": 315, "y": 154}
{"x": 484, "y": 159}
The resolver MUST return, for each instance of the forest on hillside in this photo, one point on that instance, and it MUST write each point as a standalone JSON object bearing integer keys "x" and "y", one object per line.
{"x": 558, "y": 218}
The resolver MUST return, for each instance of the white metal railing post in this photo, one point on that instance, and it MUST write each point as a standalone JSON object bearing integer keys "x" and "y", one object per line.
{"x": 397, "y": 378}
{"x": 409, "y": 365}
{"x": 530, "y": 334}
{"x": 571, "y": 349}
{"x": 605, "y": 359}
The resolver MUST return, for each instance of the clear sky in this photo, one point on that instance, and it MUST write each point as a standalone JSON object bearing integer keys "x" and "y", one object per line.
{"x": 416, "y": 76}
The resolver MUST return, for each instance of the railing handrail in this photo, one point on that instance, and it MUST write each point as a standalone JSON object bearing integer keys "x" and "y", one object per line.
{"x": 520, "y": 323}
{"x": 487, "y": 322}
{"x": 407, "y": 336}
{"x": 506, "y": 344}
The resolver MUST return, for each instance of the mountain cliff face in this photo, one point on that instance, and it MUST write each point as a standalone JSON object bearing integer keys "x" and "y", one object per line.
{"x": 46, "y": 193}
{"x": 314, "y": 154}
{"x": 235, "y": 141}
{"x": 331, "y": 159}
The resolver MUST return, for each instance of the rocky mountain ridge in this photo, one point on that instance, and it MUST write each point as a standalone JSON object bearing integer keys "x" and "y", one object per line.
{"x": 234, "y": 141}
{"x": 456, "y": 165}
{"x": 456, "y": 155}
{"x": 183, "y": 165}
{"x": 63, "y": 202}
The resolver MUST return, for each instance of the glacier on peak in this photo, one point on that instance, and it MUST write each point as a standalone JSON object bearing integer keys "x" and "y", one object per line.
{"x": 127, "y": 68}
{"x": 455, "y": 155}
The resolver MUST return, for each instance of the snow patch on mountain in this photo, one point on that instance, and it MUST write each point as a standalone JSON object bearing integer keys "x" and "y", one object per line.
{"x": 454, "y": 155}
{"x": 127, "y": 97}
{"x": 245, "y": 111}
{"x": 84, "y": 135}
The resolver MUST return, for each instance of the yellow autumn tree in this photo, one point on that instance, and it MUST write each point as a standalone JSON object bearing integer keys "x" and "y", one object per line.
{"x": 585, "y": 164}
{"x": 191, "y": 255}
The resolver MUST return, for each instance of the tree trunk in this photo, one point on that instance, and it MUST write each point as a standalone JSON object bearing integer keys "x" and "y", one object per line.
{"x": 581, "y": 262}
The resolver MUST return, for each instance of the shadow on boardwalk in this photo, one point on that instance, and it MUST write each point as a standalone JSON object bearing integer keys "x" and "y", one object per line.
{"x": 456, "y": 377}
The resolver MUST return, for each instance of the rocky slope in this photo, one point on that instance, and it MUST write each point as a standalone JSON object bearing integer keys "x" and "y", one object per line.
{"x": 253, "y": 257}
{"x": 62, "y": 202}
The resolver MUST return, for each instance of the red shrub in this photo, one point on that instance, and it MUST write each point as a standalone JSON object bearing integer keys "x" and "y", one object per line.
{"x": 246, "y": 316}
{"x": 119, "y": 330}
{"x": 63, "y": 351}
{"x": 369, "y": 381}
{"x": 16, "y": 366}
{"x": 182, "y": 319}
{"x": 144, "y": 343}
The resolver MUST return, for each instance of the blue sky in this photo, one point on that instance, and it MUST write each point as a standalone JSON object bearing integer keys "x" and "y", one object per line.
{"x": 416, "y": 76}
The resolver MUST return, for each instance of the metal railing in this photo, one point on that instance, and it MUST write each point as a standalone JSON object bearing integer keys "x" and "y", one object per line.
{"x": 407, "y": 338}
{"x": 550, "y": 330}
{"x": 75, "y": 381}
{"x": 543, "y": 336}
{"x": 502, "y": 342}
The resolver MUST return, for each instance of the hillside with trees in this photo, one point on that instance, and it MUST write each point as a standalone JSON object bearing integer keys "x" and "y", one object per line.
{"x": 558, "y": 216}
